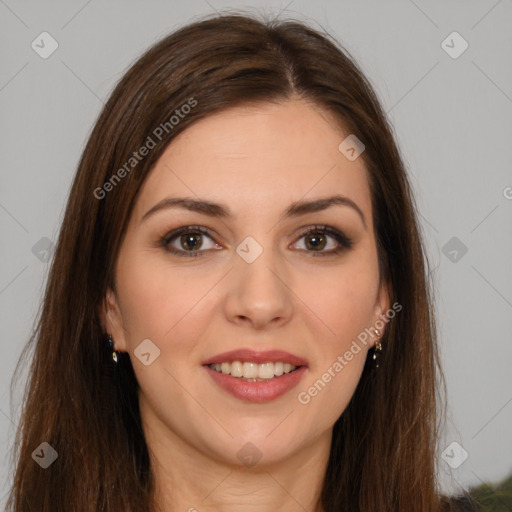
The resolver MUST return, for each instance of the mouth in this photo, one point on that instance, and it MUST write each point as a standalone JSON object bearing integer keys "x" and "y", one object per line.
{"x": 256, "y": 376}
{"x": 253, "y": 372}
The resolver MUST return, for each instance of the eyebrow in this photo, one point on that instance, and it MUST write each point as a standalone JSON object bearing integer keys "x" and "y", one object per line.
{"x": 211, "y": 209}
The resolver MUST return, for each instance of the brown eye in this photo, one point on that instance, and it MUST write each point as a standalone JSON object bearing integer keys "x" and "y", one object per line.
{"x": 316, "y": 241}
{"x": 325, "y": 241}
{"x": 189, "y": 241}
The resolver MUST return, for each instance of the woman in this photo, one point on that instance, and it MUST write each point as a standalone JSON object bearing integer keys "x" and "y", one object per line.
{"x": 238, "y": 313}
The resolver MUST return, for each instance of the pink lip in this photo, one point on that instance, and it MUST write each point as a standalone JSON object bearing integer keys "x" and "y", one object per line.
{"x": 258, "y": 392}
{"x": 252, "y": 356}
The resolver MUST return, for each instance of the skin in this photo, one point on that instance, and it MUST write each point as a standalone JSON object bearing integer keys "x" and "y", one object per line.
{"x": 251, "y": 159}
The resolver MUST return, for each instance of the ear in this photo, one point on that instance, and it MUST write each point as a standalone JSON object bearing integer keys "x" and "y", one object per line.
{"x": 382, "y": 306}
{"x": 112, "y": 320}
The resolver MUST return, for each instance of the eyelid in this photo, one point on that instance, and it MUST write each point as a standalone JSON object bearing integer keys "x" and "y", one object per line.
{"x": 344, "y": 242}
{"x": 189, "y": 228}
{"x": 166, "y": 240}
{"x": 330, "y": 230}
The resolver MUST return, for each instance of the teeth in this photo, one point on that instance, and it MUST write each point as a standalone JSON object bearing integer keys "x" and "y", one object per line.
{"x": 250, "y": 370}
{"x": 237, "y": 369}
{"x": 253, "y": 371}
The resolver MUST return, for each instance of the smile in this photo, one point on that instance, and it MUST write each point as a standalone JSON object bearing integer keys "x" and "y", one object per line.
{"x": 253, "y": 372}
{"x": 255, "y": 389}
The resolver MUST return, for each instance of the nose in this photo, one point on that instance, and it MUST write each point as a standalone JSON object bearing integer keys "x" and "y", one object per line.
{"x": 258, "y": 294}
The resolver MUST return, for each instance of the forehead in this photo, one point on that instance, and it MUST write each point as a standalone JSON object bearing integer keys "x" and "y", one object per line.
{"x": 258, "y": 158}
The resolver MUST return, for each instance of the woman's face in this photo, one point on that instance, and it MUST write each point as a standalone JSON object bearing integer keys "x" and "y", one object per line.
{"x": 253, "y": 270}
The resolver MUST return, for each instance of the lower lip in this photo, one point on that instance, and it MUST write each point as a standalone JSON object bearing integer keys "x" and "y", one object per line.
{"x": 258, "y": 392}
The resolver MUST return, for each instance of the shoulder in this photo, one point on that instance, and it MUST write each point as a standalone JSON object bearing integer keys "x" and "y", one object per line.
{"x": 462, "y": 503}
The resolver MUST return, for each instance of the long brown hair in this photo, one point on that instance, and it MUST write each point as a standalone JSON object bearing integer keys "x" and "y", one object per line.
{"x": 383, "y": 449}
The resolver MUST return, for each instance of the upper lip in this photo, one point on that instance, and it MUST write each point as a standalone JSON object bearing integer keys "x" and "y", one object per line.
{"x": 254, "y": 356}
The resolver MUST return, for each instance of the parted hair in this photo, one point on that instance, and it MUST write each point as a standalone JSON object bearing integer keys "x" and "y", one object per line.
{"x": 384, "y": 445}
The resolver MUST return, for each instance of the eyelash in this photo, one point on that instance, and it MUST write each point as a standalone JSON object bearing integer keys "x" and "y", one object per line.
{"x": 345, "y": 243}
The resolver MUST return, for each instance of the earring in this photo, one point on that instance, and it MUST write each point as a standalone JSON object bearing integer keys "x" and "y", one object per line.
{"x": 377, "y": 349}
{"x": 110, "y": 344}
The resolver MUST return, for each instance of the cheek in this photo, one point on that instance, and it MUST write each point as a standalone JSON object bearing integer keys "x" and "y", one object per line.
{"x": 159, "y": 298}
{"x": 345, "y": 310}
{"x": 344, "y": 302}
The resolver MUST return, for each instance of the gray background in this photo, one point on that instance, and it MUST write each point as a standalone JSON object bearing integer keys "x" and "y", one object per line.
{"x": 453, "y": 120}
